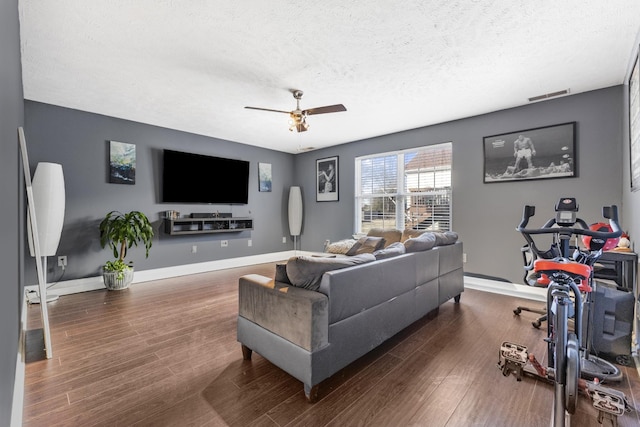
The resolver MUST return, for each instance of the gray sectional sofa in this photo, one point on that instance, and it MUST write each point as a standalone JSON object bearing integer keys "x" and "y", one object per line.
{"x": 312, "y": 334}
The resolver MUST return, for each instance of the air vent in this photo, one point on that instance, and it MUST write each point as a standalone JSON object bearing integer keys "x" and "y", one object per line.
{"x": 549, "y": 95}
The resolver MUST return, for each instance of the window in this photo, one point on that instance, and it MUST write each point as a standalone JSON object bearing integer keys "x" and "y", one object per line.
{"x": 404, "y": 189}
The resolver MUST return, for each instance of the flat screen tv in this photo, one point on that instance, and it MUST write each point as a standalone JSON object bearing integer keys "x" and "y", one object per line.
{"x": 196, "y": 178}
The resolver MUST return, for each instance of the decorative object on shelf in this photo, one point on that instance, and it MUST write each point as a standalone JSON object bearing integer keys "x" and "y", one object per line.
{"x": 540, "y": 153}
{"x": 295, "y": 213}
{"x": 122, "y": 163}
{"x": 49, "y": 203}
{"x": 264, "y": 177}
{"x": 120, "y": 232}
{"x": 624, "y": 244}
{"x": 327, "y": 179}
{"x": 171, "y": 214}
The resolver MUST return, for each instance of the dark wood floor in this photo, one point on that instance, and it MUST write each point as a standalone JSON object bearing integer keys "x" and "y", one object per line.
{"x": 164, "y": 353}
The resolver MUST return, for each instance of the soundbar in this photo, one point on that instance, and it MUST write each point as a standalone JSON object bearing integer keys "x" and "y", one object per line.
{"x": 211, "y": 215}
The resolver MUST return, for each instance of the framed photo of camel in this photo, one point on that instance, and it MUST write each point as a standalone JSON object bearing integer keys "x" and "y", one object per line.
{"x": 539, "y": 153}
{"x": 327, "y": 179}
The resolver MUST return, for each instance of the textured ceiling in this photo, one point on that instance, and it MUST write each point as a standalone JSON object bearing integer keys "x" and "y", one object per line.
{"x": 195, "y": 65}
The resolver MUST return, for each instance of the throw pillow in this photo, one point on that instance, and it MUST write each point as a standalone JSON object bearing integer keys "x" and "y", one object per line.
{"x": 423, "y": 242}
{"x": 409, "y": 233}
{"x": 446, "y": 238}
{"x": 390, "y": 235}
{"x": 306, "y": 272}
{"x": 392, "y": 250}
{"x": 366, "y": 245}
{"x": 281, "y": 274}
{"x": 341, "y": 247}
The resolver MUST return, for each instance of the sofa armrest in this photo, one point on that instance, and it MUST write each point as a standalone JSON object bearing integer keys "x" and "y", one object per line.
{"x": 298, "y": 315}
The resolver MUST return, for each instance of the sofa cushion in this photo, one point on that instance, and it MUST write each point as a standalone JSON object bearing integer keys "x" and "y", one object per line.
{"x": 306, "y": 271}
{"x": 281, "y": 274}
{"x": 390, "y": 235}
{"x": 366, "y": 245}
{"x": 409, "y": 233}
{"x": 340, "y": 247}
{"x": 444, "y": 238}
{"x": 392, "y": 250}
{"x": 423, "y": 242}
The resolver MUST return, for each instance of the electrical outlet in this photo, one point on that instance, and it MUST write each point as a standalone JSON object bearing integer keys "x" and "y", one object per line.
{"x": 194, "y": 249}
{"x": 464, "y": 257}
{"x": 62, "y": 261}
{"x": 224, "y": 243}
{"x": 250, "y": 243}
{"x": 284, "y": 240}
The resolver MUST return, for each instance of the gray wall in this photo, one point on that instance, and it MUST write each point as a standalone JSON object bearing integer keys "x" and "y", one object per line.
{"x": 11, "y": 116}
{"x": 485, "y": 215}
{"x": 79, "y": 141}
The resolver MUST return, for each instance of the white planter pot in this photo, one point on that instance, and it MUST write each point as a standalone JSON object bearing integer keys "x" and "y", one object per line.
{"x": 116, "y": 281}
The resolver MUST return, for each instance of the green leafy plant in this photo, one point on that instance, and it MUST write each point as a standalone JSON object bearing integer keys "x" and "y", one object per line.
{"x": 122, "y": 231}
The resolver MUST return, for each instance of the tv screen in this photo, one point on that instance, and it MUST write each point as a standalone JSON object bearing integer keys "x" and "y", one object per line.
{"x": 196, "y": 178}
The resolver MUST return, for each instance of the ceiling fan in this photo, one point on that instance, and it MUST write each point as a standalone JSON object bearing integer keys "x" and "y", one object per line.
{"x": 299, "y": 117}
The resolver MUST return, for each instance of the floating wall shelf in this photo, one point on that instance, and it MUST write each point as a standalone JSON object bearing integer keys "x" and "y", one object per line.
{"x": 206, "y": 225}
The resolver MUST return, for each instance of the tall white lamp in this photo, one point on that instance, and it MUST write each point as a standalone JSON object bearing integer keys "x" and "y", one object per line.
{"x": 49, "y": 204}
{"x": 295, "y": 213}
{"x": 35, "y": 236}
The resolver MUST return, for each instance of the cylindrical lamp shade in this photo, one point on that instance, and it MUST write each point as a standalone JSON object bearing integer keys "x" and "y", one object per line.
{"x": 49, "y": 204}
{"x": 295, "y": 211}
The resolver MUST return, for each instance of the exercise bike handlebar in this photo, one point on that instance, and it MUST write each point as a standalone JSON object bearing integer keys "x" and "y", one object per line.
{"x": 608, "y": 212}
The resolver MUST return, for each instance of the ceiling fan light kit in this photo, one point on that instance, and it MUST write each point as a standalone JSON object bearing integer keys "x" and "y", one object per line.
{"x": 298, "y": 119}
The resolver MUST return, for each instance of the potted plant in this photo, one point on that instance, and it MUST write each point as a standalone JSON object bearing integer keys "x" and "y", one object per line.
{"x": 120, "y": 232}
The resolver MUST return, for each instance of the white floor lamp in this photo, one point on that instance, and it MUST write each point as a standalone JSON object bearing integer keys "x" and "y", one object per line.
{"x": 49, "y": 203}
{"x": 295, "y": 214}
{"x": 50, "y": 184}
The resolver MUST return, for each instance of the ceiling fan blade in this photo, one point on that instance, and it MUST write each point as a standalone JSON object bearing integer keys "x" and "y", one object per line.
{"x": 328, "y": 109}
{"x": 268, "y": 109}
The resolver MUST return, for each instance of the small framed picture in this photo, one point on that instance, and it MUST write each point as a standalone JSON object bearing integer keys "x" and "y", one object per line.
{"x": 264, "y": 177}
{"x": 327, "y": 179}
{"x": 122, "y": 163}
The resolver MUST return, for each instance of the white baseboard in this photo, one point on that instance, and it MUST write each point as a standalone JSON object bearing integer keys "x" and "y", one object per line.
{"x": 93, "y": 283}
{"x": 505, "y": 288}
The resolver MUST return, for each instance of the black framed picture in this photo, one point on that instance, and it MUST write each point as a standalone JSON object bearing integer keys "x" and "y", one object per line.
{"x": 634, "y": 124}
{"x": 539, "y": 153}
{"x": 327, "y": 179}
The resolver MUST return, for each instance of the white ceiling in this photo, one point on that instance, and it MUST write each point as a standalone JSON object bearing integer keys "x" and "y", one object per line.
{"x": 395, "y": 65}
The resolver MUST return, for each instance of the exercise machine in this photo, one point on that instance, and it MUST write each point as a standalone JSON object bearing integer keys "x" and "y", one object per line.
{"x": 596, "y": 238}
{"x": 570, "y": 281}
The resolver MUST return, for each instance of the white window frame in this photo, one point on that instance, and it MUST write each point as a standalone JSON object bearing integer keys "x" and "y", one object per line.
{"x": 401, "y": 195}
